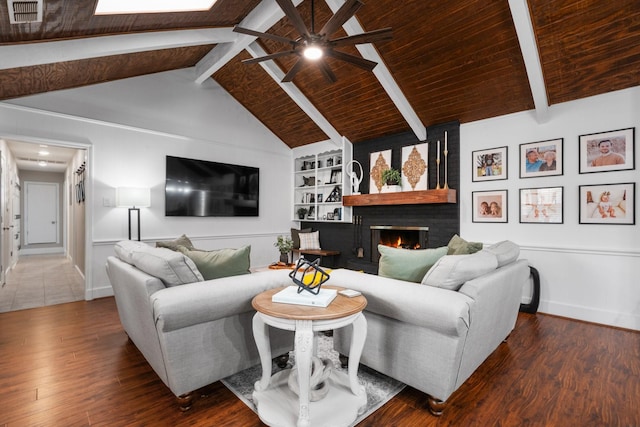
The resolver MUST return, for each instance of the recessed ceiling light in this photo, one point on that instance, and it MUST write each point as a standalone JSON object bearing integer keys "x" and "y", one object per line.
{"x": 42, "y": 163}
{"x": 115, "y": 7}
{"x": 43, "y": 152}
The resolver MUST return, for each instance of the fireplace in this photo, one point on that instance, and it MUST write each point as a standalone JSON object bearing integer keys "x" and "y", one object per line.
{"x": 406, "y": 237}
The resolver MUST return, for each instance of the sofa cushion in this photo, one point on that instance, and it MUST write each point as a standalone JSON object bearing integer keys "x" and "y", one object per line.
{"x": 220, "y": 262}
{"x": 407, "y": 264}
{"x": 506, "y": 252}
{"x": 451, "y": 271}
{"x": 173, "y": 244}
{"x": 124, "y": 249}
{"x": 310, "y": 240}
{"x": 295, "y": 236}
{"x": 458, "y": 246}
{"x": 173, "y": 268}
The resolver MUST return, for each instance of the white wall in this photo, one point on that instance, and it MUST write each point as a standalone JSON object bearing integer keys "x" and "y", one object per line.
{"x": 129, "y": 126}
{"x": 588, "y": 271}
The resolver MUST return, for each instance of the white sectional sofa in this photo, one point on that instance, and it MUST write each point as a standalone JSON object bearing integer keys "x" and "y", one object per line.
{"x": 433, "y": 337}
{"x": 430, "y": 335}
{"x": 192, "y": 332}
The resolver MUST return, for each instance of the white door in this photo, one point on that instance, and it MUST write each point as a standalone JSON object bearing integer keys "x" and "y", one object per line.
{"x": 41, "y": 212}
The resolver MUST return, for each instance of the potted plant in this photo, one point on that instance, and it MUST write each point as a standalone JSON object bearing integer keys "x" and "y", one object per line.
{"x": 391, "y": 179}
{"x": 284, "y": 245}
{"x": 302, "y": 212}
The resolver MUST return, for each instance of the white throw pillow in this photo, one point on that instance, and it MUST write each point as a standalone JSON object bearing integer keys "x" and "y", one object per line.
{"x": 126, "y": 248}
{"x": 173, "y": 268}
{"x": 310, "y": 240}
{"x": 506, "y": 252}
{"x": 452, "y": 271}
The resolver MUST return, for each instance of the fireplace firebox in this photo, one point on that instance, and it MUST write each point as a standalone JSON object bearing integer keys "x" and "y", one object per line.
{"x": 406, "y": 237}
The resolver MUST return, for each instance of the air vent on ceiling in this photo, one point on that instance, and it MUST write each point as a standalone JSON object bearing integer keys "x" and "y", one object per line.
{"x": 21, "y": 12}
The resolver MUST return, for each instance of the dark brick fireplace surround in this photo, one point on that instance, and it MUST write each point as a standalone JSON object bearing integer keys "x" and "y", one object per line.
{"x": 443, "y": 220}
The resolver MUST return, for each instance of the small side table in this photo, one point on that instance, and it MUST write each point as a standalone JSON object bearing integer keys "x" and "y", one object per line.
{"x": 276, "y": 404}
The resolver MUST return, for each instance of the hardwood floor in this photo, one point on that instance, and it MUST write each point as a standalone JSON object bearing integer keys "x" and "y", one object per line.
{"x": 72, "y": 365}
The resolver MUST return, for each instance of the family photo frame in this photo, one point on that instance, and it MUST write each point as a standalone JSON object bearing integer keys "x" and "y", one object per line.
{"x": 542, "y": 158}
{"x": 607, "y": 151}
{"x": 489, "y": 164}
{"x": 611, "y": 204}
{"x": 489, "y": 206}
{"x": 542, "y": 205}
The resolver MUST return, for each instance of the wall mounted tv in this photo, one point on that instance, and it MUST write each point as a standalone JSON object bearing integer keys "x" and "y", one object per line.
{"x": 202, "y": 188}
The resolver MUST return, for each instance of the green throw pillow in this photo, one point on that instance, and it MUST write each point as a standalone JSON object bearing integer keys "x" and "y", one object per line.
{"x": 221, "y": 262}
{"x": 407, "y": 264}
{"x": 458, "y": 246}
{"x": 173, "y": 244}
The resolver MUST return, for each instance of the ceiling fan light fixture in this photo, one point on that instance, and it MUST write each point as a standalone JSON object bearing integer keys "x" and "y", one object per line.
{"x": 313, "y": 52}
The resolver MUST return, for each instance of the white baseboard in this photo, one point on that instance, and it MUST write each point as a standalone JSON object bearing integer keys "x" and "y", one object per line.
{"x": 102, "y": 292}
{"x": 589, "y": 314}
{"x": 41, "y": 251}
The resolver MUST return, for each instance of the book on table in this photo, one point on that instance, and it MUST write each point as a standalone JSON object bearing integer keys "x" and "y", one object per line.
{"x": 290, "y": 295}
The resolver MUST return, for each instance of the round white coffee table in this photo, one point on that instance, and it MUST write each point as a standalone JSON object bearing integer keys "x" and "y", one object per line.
{"x": 279, "y": 406}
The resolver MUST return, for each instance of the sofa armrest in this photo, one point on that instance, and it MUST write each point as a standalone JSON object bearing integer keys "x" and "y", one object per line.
{"x": 194, "y": 303}
{"x": 441, "y": 310}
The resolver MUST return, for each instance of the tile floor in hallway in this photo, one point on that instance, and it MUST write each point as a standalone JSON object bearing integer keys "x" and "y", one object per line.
{"x": 39, "y": 280}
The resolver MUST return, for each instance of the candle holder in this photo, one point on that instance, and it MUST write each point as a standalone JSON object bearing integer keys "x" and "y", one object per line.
{"x": 438, "y": 167}
{"x": 446, "y": 183}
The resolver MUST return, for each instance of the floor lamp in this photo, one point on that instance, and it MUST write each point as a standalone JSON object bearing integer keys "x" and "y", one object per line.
{"x": 134, "y": 199}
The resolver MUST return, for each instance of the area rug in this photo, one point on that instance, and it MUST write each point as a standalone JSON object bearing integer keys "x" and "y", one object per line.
{"x": 380, "y": 388}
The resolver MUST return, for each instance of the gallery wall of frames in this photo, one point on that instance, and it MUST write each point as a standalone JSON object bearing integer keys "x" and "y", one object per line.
{"x": 607, "y": 202}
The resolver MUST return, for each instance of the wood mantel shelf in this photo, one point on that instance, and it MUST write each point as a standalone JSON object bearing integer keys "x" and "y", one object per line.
{"x": 402, "y": 198}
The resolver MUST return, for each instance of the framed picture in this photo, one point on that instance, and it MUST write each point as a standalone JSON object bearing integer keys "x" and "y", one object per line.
{"x": 542, "y": 158}
{"x": 378, "y": 162}
{"x": 607, "y": 151}
{"x": 608, "y": 204}
{"x": 336, "y": 176}
{"x": 489, "y": 165}
{"x": 541, "y": 205}
{"x": 489, "y": 206}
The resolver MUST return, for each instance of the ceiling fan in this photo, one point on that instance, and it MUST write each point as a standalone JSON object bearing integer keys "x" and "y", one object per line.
{"x": 315, "y": 46}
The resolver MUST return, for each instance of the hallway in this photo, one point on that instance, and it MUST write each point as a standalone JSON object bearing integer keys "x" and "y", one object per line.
{"x": 40, "y": 280}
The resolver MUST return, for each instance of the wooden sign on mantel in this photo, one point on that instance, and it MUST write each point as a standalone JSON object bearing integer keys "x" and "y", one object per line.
{"x": 402, "y": 198}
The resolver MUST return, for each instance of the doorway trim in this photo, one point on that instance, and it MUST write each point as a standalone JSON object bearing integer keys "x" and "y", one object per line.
{"x": 88, "y": 212}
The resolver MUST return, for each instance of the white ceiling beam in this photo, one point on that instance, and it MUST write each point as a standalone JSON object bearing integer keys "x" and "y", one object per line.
{"x": 531, "y": 56}
{"x": 263, "y": 17}
{"x": 295, "y": 94}
{"x": 26, "y": 55}
{"x": 382, "y": 73}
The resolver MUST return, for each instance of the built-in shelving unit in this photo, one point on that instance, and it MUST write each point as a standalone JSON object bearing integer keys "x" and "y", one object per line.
{"x": 402, "y": 198}
{"x": 319, "y": 183}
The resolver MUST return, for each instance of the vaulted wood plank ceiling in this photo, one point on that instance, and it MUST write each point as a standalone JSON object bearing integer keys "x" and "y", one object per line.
{"x": 449, "y": 60}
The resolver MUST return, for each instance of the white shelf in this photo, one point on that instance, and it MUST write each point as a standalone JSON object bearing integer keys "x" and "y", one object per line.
{"x": 319, "y": 173}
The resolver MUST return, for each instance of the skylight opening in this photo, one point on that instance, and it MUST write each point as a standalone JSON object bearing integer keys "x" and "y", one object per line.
{"x": 118, "y": 7}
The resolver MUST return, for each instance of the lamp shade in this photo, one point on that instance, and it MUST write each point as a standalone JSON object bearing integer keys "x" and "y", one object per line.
{"x": 127, "y": 197}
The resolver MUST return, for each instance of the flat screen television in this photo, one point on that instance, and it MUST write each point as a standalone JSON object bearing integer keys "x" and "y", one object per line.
{"x": 203, "y": 188}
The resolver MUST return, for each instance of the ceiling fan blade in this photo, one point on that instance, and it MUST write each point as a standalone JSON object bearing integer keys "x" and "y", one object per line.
{"x": 368, "y": 37}
{"x": 268, "y": 57}
{"x": 348, "y": 9}
{"x": 263, "y": 35}
{"x": 326, "y": 71}
{"x": 294, "y": 16}
{"x": 365, "y": 64}
{"x": 293, "y": 71}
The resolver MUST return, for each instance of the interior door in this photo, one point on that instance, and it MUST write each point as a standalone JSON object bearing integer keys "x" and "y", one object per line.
{"x": 41, "y": 212}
